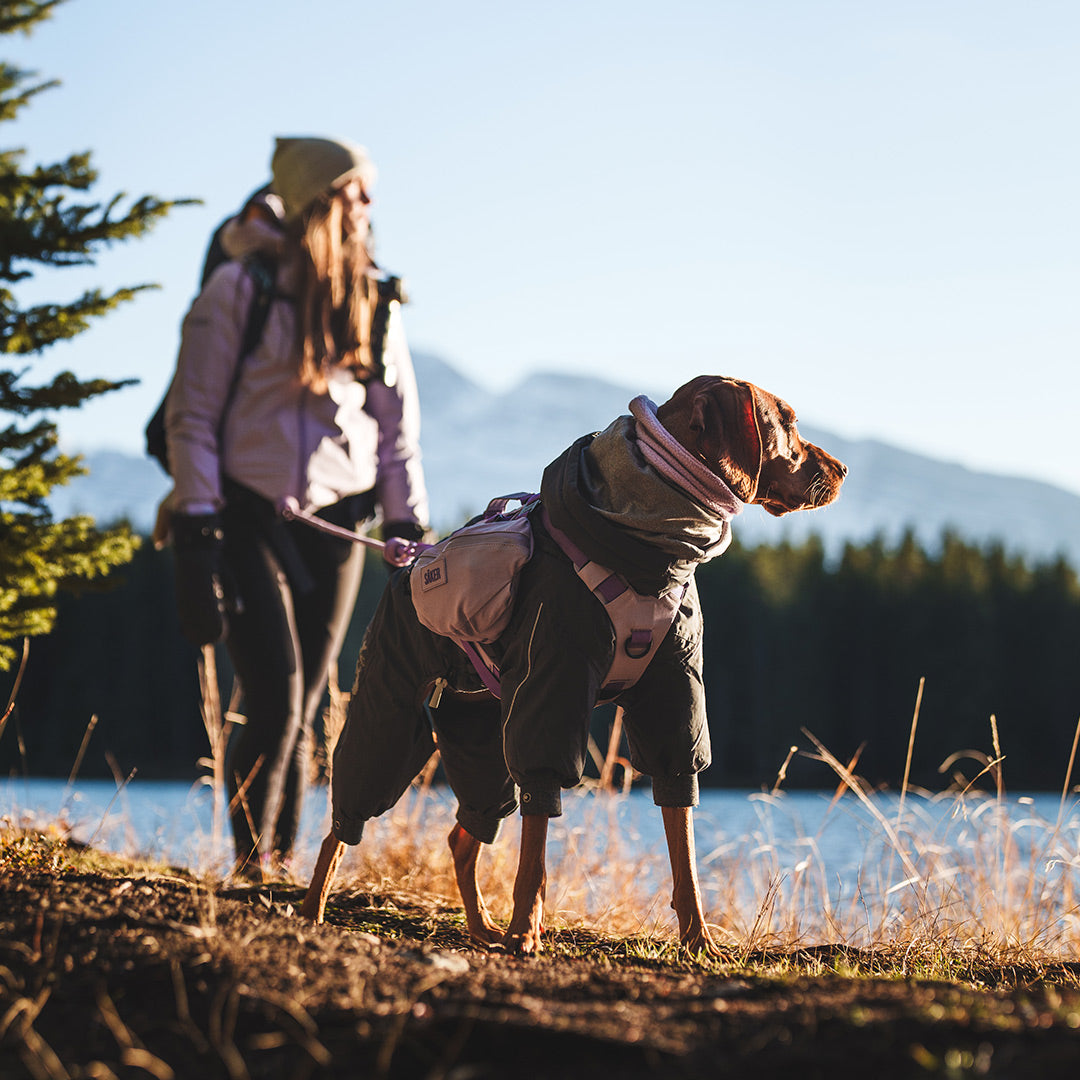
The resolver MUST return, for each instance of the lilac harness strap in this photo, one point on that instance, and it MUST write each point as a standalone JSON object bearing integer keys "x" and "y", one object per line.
{"x": 486, "y": 668}
{"x": 640, "y": 622}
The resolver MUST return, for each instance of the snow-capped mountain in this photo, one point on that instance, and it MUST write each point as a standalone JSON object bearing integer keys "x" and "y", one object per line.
{"x": 479, "y": 444}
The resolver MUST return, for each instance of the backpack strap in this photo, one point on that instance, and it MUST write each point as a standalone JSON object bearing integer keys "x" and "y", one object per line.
{"x": 640, "y": 622}
{"x": 263, "y": 272}
{"x": 390, "y": 290}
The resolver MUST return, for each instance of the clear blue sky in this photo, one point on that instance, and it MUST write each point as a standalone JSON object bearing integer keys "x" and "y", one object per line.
{"x": 867, "y": 207}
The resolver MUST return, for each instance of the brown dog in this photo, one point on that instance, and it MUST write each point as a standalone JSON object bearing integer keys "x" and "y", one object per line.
{"x": 748, "y": 443}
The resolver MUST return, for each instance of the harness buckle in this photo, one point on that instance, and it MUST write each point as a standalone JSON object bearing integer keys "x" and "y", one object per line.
{"x": 638, "y": 643}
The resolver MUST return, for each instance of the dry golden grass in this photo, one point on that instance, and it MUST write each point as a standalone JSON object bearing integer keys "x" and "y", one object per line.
{"x": 952, "y": 874}
{"x": 596, "y": 875}
{"x": 959, "y": 874}
{"x": 963, "y": 873}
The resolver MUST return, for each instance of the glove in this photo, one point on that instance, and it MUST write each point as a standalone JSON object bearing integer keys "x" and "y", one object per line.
{"x": 402, "y": 539}
{"x": 198, "y": 540}
{"x": 406, "y": 530}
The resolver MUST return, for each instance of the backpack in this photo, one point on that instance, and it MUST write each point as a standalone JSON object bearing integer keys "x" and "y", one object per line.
{"x": 464, "y": 587}
{"x": 266, "y": 201}
{"x": 263, "y": 272}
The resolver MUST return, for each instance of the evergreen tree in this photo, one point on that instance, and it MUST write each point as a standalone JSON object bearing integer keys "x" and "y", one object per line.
{"x": 47, "y": 222}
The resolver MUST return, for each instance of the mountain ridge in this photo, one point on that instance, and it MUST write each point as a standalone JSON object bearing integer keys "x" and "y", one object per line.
{"x": 479, "y": 443}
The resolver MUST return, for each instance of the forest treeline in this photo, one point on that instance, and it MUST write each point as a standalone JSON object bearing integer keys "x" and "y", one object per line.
{"x": 795, "y": 642}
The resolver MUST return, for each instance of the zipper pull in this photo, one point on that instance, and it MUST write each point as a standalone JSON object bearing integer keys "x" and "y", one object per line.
{"x": 436, "y": 692}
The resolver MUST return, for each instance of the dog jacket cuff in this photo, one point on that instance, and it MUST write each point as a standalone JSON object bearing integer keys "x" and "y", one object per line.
{"x": 478, "y": 826}
{"x": 347, "y": 830}
{"x": 541, "y": 800}
{"x": 675, "y": 790}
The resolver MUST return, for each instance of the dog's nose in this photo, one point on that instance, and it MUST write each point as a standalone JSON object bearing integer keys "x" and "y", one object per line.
{"x": 842, "y": 469}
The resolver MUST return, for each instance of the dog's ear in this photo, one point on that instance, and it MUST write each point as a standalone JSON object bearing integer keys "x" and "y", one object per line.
{"x": 724, "y": 422}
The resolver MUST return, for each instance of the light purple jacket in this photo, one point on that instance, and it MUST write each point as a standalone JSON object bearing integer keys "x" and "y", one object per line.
{"x": 279, "y": 438}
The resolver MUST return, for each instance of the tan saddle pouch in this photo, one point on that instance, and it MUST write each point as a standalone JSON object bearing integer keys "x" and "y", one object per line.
{"x": 464, "y": 586}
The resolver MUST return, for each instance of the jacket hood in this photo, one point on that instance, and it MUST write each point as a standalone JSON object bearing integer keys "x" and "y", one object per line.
{"x": 655, "y": 539}
{"x": 239, "y": 238}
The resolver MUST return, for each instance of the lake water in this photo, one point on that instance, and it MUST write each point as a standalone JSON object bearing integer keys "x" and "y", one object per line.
{"x": 809, "y": 852}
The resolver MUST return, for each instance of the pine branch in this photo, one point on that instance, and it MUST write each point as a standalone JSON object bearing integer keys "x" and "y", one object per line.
{"x": 36, "y": 328}
{"x": 11, "y": 102}
{"x": 32, "y": 477}
{"x": 45, "y": 220}
{"x": 38, "y": 225}
{"x": 24, "y": 15}
{"x": 66, "y": 391}
{"x": 16, "y": 444}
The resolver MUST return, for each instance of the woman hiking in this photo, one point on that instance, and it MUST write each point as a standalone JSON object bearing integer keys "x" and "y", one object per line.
{"x": 320, "y": 413}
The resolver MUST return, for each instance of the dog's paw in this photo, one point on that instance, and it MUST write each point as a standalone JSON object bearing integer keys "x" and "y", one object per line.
{"x": 525, "y": 943}
{"x": 488, "y": 935}
{"x": 700, "y": 944}
{"x": 313, "y": 911}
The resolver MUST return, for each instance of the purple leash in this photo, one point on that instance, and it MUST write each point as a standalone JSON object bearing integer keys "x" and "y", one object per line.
{"x": 396, "y": 551}
{"x": 399, "y": 552}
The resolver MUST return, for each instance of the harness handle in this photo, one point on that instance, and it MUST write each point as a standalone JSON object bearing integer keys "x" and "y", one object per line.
{"x": 496, "y": 509}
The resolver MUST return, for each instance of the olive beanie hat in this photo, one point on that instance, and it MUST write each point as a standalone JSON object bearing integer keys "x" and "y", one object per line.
{"x": 305, "y": 167}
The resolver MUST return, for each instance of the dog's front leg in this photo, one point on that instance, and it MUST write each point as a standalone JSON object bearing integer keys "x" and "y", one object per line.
{"x": 686, "y": 896}
{"x": 465, "y": 849}
{"x": 523, "y": 934}
{"x": 314, "y": 906}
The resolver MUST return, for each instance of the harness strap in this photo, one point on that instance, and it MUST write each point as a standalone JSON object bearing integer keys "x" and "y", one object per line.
{"x": 485, "y": 667}
{"x": 640, "y": 622}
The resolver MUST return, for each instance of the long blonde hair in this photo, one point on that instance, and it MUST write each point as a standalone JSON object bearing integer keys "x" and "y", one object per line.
{"x": 336, "y": 297}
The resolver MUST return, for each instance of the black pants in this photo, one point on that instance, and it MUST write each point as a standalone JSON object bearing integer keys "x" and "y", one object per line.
{"x": 296, "y": 589}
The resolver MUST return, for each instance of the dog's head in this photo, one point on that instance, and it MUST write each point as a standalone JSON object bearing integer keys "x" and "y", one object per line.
{"x": 748, "y": 437}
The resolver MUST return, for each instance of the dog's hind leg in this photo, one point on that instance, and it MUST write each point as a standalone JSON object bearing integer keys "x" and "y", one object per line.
{"x": 530, "y": 884}
{"x": 465, "y": 849}
{"x": 686, "y": 896}
{"x": 314, "y": 906}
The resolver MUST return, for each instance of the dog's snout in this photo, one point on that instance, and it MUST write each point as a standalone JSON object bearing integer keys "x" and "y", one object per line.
{"x": 826, "y": 462}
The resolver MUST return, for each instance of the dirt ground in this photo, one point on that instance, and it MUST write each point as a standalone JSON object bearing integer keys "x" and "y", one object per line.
{"x": 157, "y": 975}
